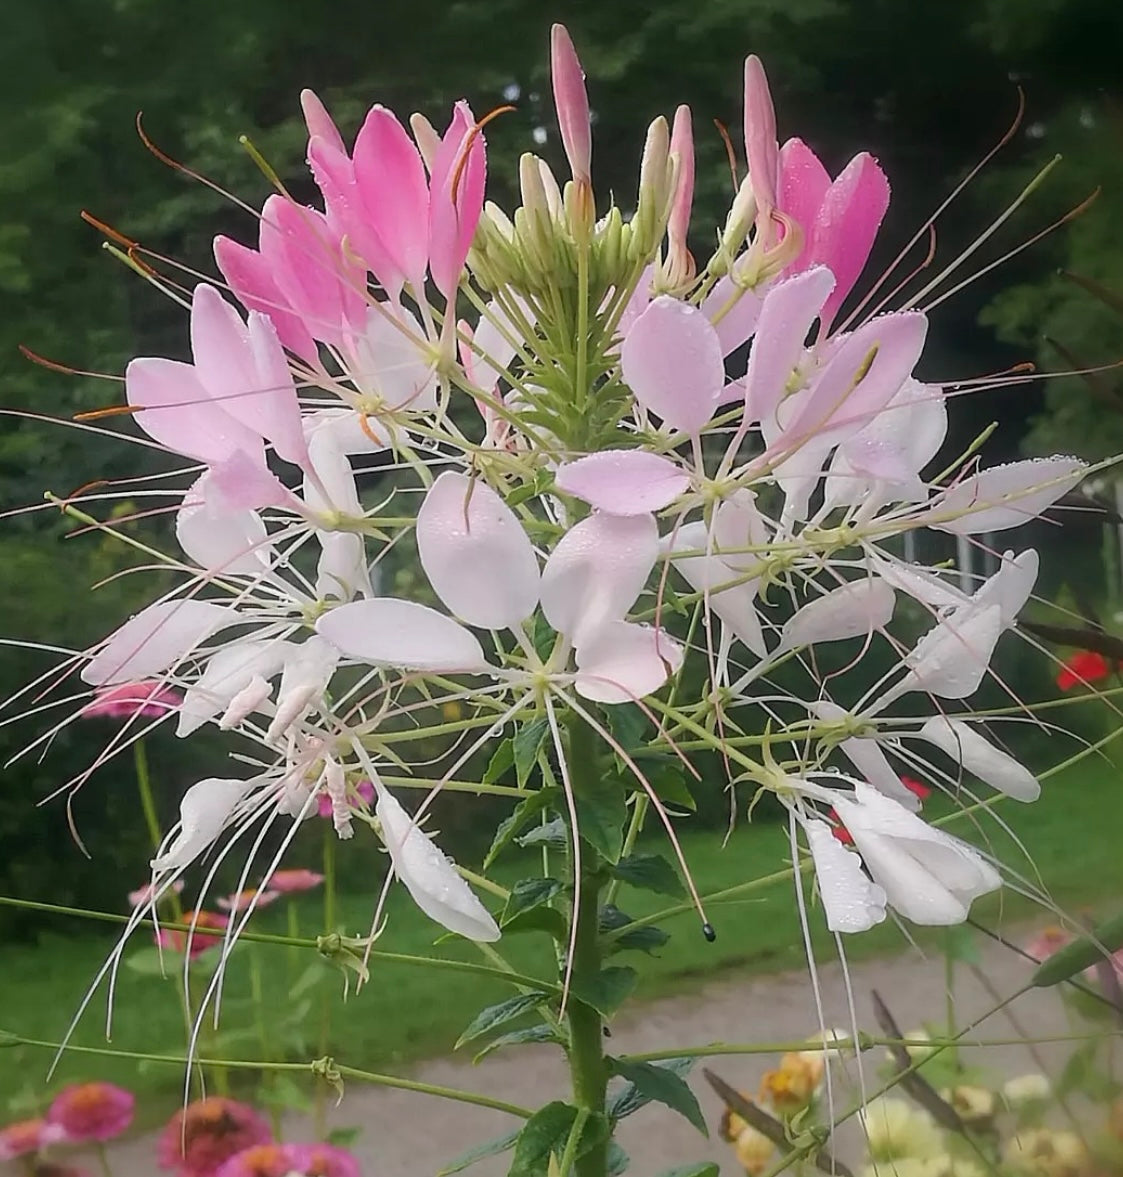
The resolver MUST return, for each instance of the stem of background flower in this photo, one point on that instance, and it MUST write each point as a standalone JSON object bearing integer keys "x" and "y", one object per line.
{"x": 151, "y": 820}
{"x": 319, "y": 1111}
{"x": 103, "y": 1161}
{"x": 258, "y": 998}
{"x": 587, "y": 1066}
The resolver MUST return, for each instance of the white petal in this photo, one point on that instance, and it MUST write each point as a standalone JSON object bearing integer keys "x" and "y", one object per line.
{"x": 351, "y": 432}
{"x": 429, "y": 876}
{"x": 333, "y": 489}
{"x": 386, "y": 631}
{"x": 342, "y": 572}
{"x": 867, "y": 757}
{"x": 623, "y": 662}
{"x": 203, "y": 813}
{"x": 495, "y": 336}
{"x": 476, "y": 554}
{"x": 952, "y": 657}
{"x": 852, "y": 902}
{"x": 1010, "y": 587}
{"x": 738, "y": 526}
{"x": 232, "y": 542}
{"x": 229, "y": 671}
{"x": 851, "y": 610}
{"x": 596, "y": 572}
{"x": 966, "y": 746}
{"x": 909, "y": 888}
{"x": 307, "y": 672}
{"x": 921, "y": 584}
{"x": 1006, "y": 496}
{"x": 391, "y": 361}
{"x": 624, "y": 482}
{"x": 153, "y": 640}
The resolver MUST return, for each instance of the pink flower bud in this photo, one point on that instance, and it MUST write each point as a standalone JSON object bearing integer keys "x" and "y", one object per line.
{"x": 572, "y": 102}
{"x": 761, "y": 149}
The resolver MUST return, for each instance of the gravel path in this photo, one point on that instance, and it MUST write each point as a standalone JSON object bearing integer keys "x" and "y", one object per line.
{"x": 410, "y": 1135}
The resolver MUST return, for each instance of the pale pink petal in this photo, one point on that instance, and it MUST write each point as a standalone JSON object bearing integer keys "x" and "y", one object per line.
{"x": 476, "y": 554}
{"x": 596, "y": 571}
{"x": 386, "y": 631}
{"x": 1010, "y": 587}
{"x": 966, "y": 746}
{"x": 1006, "y": 496}
{"x": 204, "y": 812}
{"x": 390, "y": 175}
{"x": 734, "y": 313}
{"x": 638, "y": 302}
{"x": 276, "y": 412}
{"x": 496, "y": 338}
{"x": 803, "y": 184}
{"x": 252, "y": 282}
{"x": 333, "y": 489}
{"x": 147, "y": 644}
{"x": 761, "y": 148}
{"x": 243, "y": 482}
{"x": 456, "y": 198}
{"x": 789, "y": 309}
{"x": 921, "y": 584}
{"x": 341, "y": 572}
{"x": 229, "y": 670}
{"x": 849, "y": 217}
{"x": 738, "y": 527}
{"x": 429, "y": 875}
{"x": 851, "y": 610}
{"x": 672, "y": 360}
{"x": 682, "y": 145}
{"x": 391, "y": 360}
{"x": 624, "y": 482}
{"x": 951, "y": 659}
{"x": 176, "y": 410}
{"x": 622, "y": 662}
{"x": 219, "y": 540}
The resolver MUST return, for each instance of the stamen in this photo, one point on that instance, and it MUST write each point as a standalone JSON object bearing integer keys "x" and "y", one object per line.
{"x": 730, "y": 154}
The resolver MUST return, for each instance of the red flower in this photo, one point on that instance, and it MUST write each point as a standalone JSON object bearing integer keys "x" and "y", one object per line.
{"x": 1085, "y": 666}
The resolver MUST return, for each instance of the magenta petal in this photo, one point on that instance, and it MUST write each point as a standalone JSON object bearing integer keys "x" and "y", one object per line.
{"x": 672, "y": 360}
{"x": 147, "y": 644}
{"x": 476, "y": 554}
{"x": 390, "y": 176}
{"x": 624, "y": 482}
{"x": 596, "y": 572}
{"x": 789, "y": 309}
{"x": 623, "y": 662}
{"x": 320, "y": 124}
{"x": 803, "y": 185}
{"x": 386, "y": 631}
{"x": 761, "y": 149}
{"x": 848, "y": 220}
{"x": 252, "y": 282}
{"x": 175, "y": 410}
{"x": 456, "y": 198}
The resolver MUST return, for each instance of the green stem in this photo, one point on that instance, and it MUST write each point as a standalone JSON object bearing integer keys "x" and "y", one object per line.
{"x": 103, "y": 1161}
{"x": 257, "y": 996}
{"x": 329, "y": 878}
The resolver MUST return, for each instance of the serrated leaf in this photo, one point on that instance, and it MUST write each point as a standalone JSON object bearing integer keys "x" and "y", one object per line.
{"x": 602, "y": 813}
{"x": 662, "y": 1085}
{"x": 527, "y": 894}
{"x": 702, "y": 1169}
{"x": 523, "y": 813}
{"x": 649, "y": 872}
{"x": 644, "y": 939}
{"x": 671, "y": 787}
{"x": 499, "y": 1015}
{"x": 607, "y": 990}
{"x": 545, "y": 1135}
{"x": 538, "y": 919}
{"x": 524, "y": 1037}
{"x": 553, "y": 833}
{"x": 480, "y": 1152}
{"x": 526, "y": 744}
{"x": 630, "y": 1099}
{"x": 502, "y": 759}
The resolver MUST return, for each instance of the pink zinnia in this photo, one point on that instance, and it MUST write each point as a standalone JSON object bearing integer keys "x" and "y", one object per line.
{"x": 363, "y": 791}
{"x": 254, "y": 895}
{"x": 143, "y": 895}
{"x": 25, "y": 1137}
{"x": 176, "y": 940}
{"x": 147, "y": 699}
{"x": 281, "y": 1160}
{"x": 289, "y": 881}
{"x": 92, "y": 1111}
{"x": 58, "y": 1169}
{"x": 206, "y": 1133}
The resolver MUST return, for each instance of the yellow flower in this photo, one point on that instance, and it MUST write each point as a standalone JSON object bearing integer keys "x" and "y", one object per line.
{"x": 895, "y": 1129}
{"x": 754, "y": 1151}
{"x": 975, "y": 1105}
{"x": 791, "y": 1087}
{"x": 451, "y": 711}
{"x": 1043, "y": 1152}
{"x": 1026, "y": 1090}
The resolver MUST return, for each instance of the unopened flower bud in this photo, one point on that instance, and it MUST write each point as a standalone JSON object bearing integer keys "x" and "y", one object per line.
{"x": 572, "y": 102}
{"x": 656, "y": 185}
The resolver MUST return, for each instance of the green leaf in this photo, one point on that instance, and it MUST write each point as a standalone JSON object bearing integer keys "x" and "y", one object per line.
{"x": 521, "y": 815}
{"x": 602, "y": 813}
{"x": 629, "y": 726}
{"x": 150, "y": 962}
{"x": 649, "y": 872}
{"x": 499, "y": 1015}
{"x": 554, "y": 834}
{"x": 670, "y": 785}
{"x": 527, "y": 894}
{"x": 502, "y": 759}
{"x": 628, "y": 1099}
{"x": 343, "y": 1137}
{"x": 702, "y": 1169}
{"x": 545, "y": 1135}
{"x": 618, "y": 1160}
{"x": 480, "y": 1152}
{"x": 1081, "y": 954}
{"x": 643, "y": 939}
{"x": 608, "y": 990}
{"x": 525, "y": 746}
{"x": 662, "y": 1085}
{"x": 530, "y": 1034}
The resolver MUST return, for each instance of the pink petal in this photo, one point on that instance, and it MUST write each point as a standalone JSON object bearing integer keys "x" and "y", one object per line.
{"x": 252, "y": 282}
{"x": 476, "y": 554}
{"x": 147, "y": 644}
{"x": 672, "y": 360}
{"x": 244, "y": 483}
{"x": 803, "y": 185}
{"x": 320, "y": 124}
{"x": 851, "y": 610}
{"x": 390, "y": 176}
{"x": 597, "y": 571}
{"x": 623, "y": 662}
{"x": 386, "y": 631}
{"x": 761, "y": 149}
{"x": 738, "y": 526}
{"x": 624, "y": 482}
{"x": 740, "y": 311}
{"x": 682, "y": 145}
{"x": 572, "y": 102}
{"x": 789, "y": 309}
{"x": 220, "y": 540}
{"x": 178, "y": 412}
{"x": 456, "y": 198}
{"x": 849, "y": 217}
{"x": 1006, "y": 496}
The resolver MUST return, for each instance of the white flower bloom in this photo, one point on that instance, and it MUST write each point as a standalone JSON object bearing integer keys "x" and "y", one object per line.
{"x": 852, "y": 902}
{"x": 204, "y": 813}
{"x": 965, "y": 746}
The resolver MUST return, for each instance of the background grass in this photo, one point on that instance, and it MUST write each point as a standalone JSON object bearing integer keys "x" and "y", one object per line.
{"x": 408, "y": 1012}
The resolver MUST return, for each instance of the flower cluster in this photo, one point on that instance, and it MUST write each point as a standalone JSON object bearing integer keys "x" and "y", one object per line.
{"x": 611, "y": 456}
